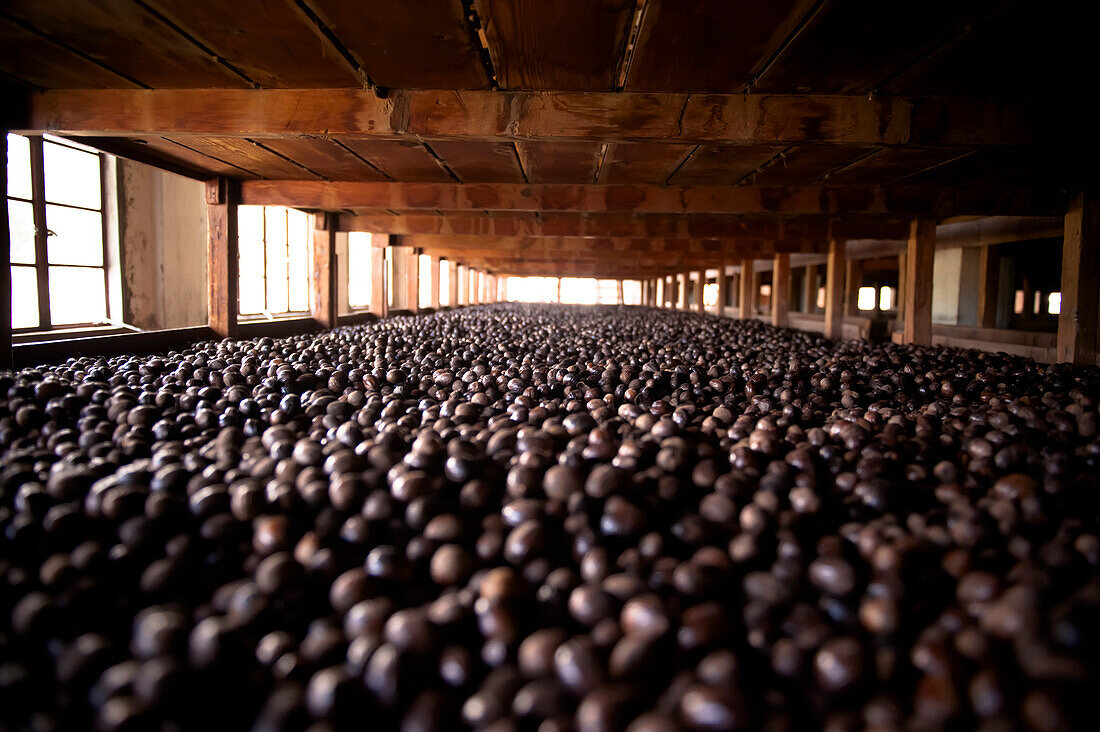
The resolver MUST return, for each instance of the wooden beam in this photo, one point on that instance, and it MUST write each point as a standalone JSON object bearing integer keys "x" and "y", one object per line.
{"x": 558, "y": 245}
{"x": 747, "y": 298}
{"x": 619, "y": 292}
{"x": 781, "y": 290}
{"x": 323, "y": 295}
{"x": 834, "y": 289}
{"x": 929, "y": 201}
{"x": 434, "y": 275}
{"x": 989, "y": 271}
{"x": 920, "y": 253}
{"x": 379, "y": 297}
{"x": 627, "y": 225}
{"x": 781, "y": 119}
{"x": 1077, "y": 319}
{"x": 222, "y": 258}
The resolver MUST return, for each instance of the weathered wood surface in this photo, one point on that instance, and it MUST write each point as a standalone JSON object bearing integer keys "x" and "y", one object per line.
{"x": 834, "y": 288}
{"x": 323, "y": 286}
{"x": 781, "y": 290}
{"x": 1077, "y": 320}
{"x": 222, "y": 258}
{"x": 920, "y": 254}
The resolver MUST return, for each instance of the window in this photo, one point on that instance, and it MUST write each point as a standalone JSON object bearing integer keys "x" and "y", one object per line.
{"x": 710, "y": 295}
{"x": 1054, "y": 303}
{"x": 359, "y": 269}
{"x": 1018, "y": 302}
{"x": 607, "y": 292}
{"x": 632, "y": 292}
{"x": 424, "y": 262}
{"x": 821, "y": 298}
{"x": 274, "y": 260}
{"x": 579, "y": 291}
{"x": 886, "y": 298}
{"x": 446, "y": 272}
{"x": 865, "y": 298}
{"x": 55, "y": 218}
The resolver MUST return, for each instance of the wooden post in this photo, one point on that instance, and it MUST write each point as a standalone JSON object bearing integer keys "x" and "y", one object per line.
{"x": 222, "y": 258}
{"x": 852, "y": 280}
{"x": 781, "y": 290}
{"x": 989, "y": 271}
{"x": 1077, "y": 319}
{"x": 746, "y": 298}
{"x": 723, "y": 290}
{"x": 5, "y": 278}
{"x": 412, "y": 280}
{"x": 379, "y": 298}
{"x": 900, "y": 307}
{"x": 809, "y": 290}
{"x": 452, "y": 283}
{"x": 557, "y": 298}
{"x": 434, "y": 274}
{"x": 700, "y": 282}
{"x": 322, "y": 290}
{"x": 834, "y": 289}
{"x": 619, "y": 292}
{"x": 920, "y": 253}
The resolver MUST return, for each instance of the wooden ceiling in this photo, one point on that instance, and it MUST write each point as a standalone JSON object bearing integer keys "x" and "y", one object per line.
{"x": 751, "y": 121}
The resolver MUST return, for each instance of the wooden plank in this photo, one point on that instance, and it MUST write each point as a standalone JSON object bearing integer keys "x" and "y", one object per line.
{"x": 781, "y": 290}
{"x": 40, "y": 62}
{"x": 246, "y": 154}
{"x": 747, "y": 299}
{"x": 324, "y": 157}
{"x": 644, "y": 162}
{"x": 480, "y": 162}
{"x": 420, "y": 45}
{"x": 989, "y": 271}
{"x": 834, "y": 289}
{"x": 723, "y": 165}
{"x": 1077, "y": 319}
{"x": 889, "y": 164}
{"x": 919, "y": 201}
{"x": 402, "y": 160}
{"x": 709, "y": 45}
{"x": 178, "y": 160}
{"x": 379, "y": 296}
{"x": 125, "y": 37}
{"x": 611, "y": 246}
{"x": 553, "y": 46}
{"x": 266, "y": 41}
{"x": 920, "y": 253}
{"x": 559, "y": 162}
{"x": 323, "y": 298}
{"x": 222, "y": 258}
{"x": 780, "y": 119}
{"x": 799, "y": 166}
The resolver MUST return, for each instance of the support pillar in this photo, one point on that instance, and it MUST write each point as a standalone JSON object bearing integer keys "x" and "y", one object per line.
{"x": 1077, "y": 318}
{"x": 433, "y": 273}
{"x": 379, "y": 297}
{"x": 853, "y": 278}
{"x": 900, "y": 307}
{"x": 557, "y": 298}
{"x": 452, "y": 283}
{"x": 412, "y": 280}
{"x": 834, "y": 289}
{"x": 222, "y": 257}
{"x": 920, "y": 253}
{"x": 781, "y": 290}
{"x": 809, "y": 290}
{"x": 701, "y": 279}
{"x": 723, "y": 290}
{"x": 747, "y": 297}
{"x": 5, "y": 277}
{"x": 989, "y": 272}
{"x": 322, "y": 286}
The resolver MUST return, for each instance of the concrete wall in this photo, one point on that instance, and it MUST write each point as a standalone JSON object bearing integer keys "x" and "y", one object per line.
{"x": 946, "y": 275}
{"x": 162, "y": 239}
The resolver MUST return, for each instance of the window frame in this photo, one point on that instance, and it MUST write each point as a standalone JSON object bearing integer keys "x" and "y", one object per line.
{"x": 266, "y": 314}
{"x": 37, "y": 146}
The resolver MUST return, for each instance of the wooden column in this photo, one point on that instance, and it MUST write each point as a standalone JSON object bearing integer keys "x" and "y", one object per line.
{"x": 853, "y": 278}
{"x": 989, "y": 271}
{"x": 619, "y": 292}
{"x": 723, "y": 290}
{"x": 809, "y": 290}
{"x": 1077, "y": 319}
{"x": 920, "y": 253}
{"x": 379, "y": 297}
{"x": 222, "y": 258}
{"x": 900, "y": 306}
{"x": 834, "y": 289}
{"x": 322, "y": 287}
{"x": 557, "y": 298}
{"x": 412, "y": 280}
{"x": 701, "y": 280}
{"x": 781, "y": 289}
{"x": 5, "y": 277}
{"x": 452, "y": 283}
{"x": 434, "y": 274}
{"x": 746, "y": 299}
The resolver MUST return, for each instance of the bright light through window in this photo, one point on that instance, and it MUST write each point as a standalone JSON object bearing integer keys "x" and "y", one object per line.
{"x": 531, "y": 289}
{"x": 359, "y": 274}
{"x": 886, "y": 298}
{"x": 425, "y": 280}
{"x": 274, "y": 260}
{"x": 1037, "y": 302}
{"x": 710, "y": 295}
{"x": 1018, "y": 302}
{"x": 1054, "y": 303}
{"x": 579, "y": 291}
{"x": 632, "y": 292}
{"x": 446, "y": 272}
{"x": 865, "y": 299}
{"x": 607, "y": 292}
{"x": 821, "y": 297}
